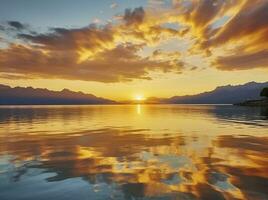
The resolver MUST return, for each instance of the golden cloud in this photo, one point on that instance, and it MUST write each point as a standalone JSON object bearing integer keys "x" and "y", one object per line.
{"x": 221, "y": 29}
{"x": 113, "y": 52}
{"x": 103, "y": 67}
{"x": 105, "y": 53}
{"x": 251, "y": 19}
{"x": 243, "y": 61}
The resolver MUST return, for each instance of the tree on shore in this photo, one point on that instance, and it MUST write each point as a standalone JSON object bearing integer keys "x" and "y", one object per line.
{"x": 264, "y": 92}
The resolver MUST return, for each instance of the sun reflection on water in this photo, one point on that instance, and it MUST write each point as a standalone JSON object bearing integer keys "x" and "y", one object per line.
{"x": 144, "y": 158}
{"x": 138, "y": 108}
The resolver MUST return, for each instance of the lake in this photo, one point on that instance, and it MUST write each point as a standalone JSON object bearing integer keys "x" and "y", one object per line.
{"x": 167, "y": 152}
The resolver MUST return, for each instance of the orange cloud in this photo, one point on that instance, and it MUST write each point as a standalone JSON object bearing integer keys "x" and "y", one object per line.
{"x": 113, "y": 52}
{"x": 94, "y": 53}
{"x": 90, "y": 37}
{"x": 117, "y": 64}
{"x": 243, "y": 61}
{"x": 244, "y": 30}
{"x": 251, "y": 19}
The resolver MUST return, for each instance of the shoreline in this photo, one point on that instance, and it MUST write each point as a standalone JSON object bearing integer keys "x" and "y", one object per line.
{"x": 255, "y": 103}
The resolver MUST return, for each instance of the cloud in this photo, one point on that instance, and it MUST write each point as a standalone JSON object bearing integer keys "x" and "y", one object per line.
{"x": 246, "y": 37}
{"x": 108, "y": 53}
{"x": 2, "y": 28}
{"x": 118, "y": 64}
{"x": 97, "y": 21}
{"x": 114, "y": 5}
{"x": 159, "y": 54}
{"x": 11, "y": 28}
{"x": 90, "y": 37}
{"x": 250, "y": 20}
{"x": 201, "y": 13}
{"x": 202, "y": 19}
{"x": 134, "y": 17}
{"x": 245, "y": 61}
{"x": 231, "y": 34}
{"x": 16, "y": 24}
{"x": 142, "y": 26}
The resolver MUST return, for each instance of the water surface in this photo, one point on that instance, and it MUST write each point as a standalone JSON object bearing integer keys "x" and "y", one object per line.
{"x": 167, "y": 152}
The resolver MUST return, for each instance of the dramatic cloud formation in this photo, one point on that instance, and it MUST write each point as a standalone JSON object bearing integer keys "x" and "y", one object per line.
{"x": 102, "y": 67}
{"x": 250, "y": 20}
{"x": 230, "y": 34}
{"x": 241, "y": 35}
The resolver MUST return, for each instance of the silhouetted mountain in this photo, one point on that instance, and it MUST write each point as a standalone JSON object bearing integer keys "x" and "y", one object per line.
{"x": 221, "y": 95}
{"x": 29, "y": 95}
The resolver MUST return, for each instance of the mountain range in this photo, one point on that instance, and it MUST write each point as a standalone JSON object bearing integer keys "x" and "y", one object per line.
{"x": 32, "y": 96}
{"x": 228, "y": 94}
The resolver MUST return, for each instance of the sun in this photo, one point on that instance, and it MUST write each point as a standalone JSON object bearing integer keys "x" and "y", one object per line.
{"x": 139, "y": 97}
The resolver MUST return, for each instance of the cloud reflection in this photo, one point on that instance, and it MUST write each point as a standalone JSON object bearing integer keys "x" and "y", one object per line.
{"x": 135, "y": 163}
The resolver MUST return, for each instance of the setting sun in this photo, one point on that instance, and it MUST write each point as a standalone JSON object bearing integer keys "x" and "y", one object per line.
{"x": 139, "y": 97}
{"x": 134, "y": 99}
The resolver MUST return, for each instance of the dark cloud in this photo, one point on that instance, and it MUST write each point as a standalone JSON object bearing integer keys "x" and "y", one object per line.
{"x": 71, "y": 39}
{"x": 17, "y": 25}
{"x": 132, "y": 17}
{"x": 11, "y": 29}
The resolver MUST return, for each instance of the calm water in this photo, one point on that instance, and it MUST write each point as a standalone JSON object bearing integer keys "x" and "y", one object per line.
{"x": 133, "y": 152}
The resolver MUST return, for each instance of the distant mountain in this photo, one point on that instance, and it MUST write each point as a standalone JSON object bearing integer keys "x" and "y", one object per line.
{"x": 221, "y": 95}
{"x": 29, "y": 95}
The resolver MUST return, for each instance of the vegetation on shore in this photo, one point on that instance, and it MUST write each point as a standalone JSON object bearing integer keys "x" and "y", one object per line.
{"x": 258, "y": 102}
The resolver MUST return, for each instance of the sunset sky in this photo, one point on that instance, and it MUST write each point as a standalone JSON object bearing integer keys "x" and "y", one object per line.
{"x": 122, "y": 49}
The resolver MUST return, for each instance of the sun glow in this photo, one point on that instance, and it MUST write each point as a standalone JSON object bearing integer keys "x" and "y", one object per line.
{"x": 139, "y": 97}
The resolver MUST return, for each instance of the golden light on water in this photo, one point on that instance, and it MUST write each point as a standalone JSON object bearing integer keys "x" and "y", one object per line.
{"x": 138, "y": 109}
{"x": 119, "y": 74}
{"x": 147, "y": 150}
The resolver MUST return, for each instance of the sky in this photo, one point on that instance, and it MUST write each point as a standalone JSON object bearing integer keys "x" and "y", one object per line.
{"x": 128, "y": 48}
